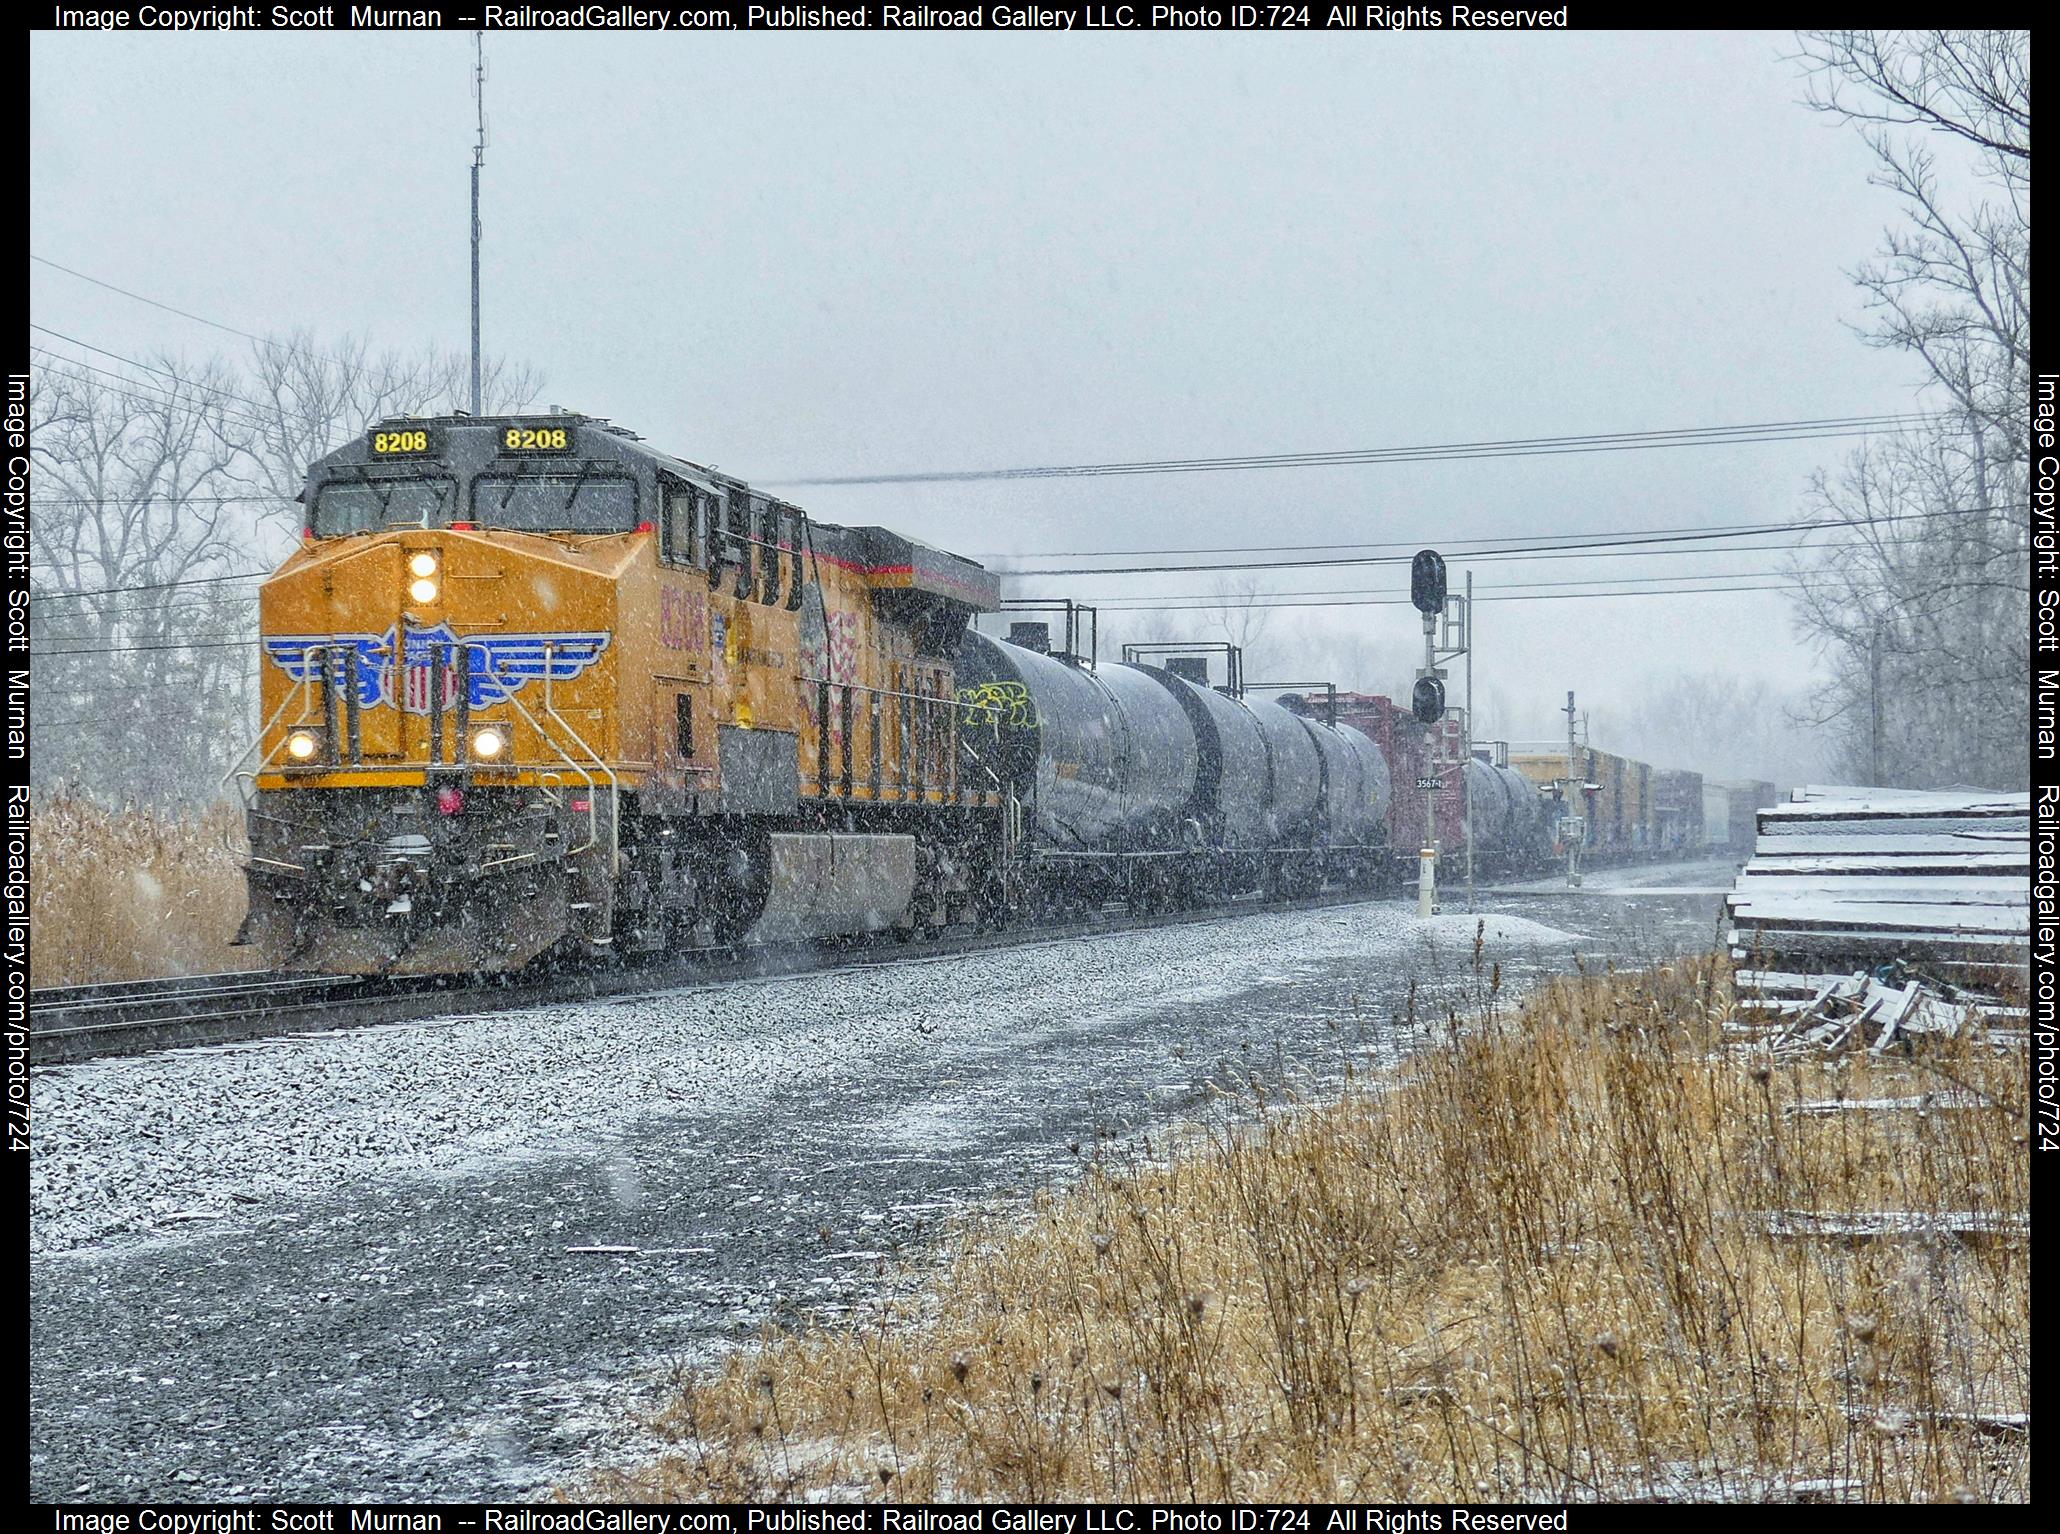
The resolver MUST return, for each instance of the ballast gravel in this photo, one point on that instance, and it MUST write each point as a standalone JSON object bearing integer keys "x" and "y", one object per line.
{"x": 460, "y": 1258}
{"x": 153, "y": 1145}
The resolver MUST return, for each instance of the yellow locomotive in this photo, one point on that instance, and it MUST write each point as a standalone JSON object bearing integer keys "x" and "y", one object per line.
{"x": 531, "y": 687}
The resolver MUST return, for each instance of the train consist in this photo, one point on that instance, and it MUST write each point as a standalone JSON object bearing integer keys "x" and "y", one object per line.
{"x": 532, "y": 689}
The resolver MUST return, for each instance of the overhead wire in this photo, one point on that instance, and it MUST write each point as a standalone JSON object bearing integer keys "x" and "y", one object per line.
{"x": 185, "y": 314}
{"x": 1599, "y": 542}
{"x": 103, "y": 591}
{"x": 1801, "y": 430}
{"x": 153, "y": 392}
{"x": 1462, "y": 546}
{"x": 138, "y": 649}
{"x": 1237, "y": 600}
{"x": 1545, "y": 596}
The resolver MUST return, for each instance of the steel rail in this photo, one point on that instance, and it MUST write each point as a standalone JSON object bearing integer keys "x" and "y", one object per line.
{"x": 69, "y": 1024}
{"x": 66, "y": 1027}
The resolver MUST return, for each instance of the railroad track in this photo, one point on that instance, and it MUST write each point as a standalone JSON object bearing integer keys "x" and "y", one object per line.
{"x": 68, "y": 1024}
{"x": 73, "y": 1023}
{"x": 78, "y": 1022}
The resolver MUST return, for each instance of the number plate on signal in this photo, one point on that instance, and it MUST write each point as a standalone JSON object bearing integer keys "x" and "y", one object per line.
{"x": 537, "y": 439}
{"x": 404, "y": 441}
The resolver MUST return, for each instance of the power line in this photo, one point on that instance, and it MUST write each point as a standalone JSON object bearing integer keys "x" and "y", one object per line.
{"x": 1601, "y": 542}
{"x": 183, "y": 314}
{"x": 1458, "y": 547}
{"x": 1218, "y": 600}
{"x": 1513, "y": 447}
{"x": 160, "y": 391}
{"x": 162, "y": 500}
{"x": 1546, "y": 596}
{"x": 46, "y": 636}
{"x": 146, "y": 390}
{"x": 267, "y": 341}
{"x": 137, "y": 649}
{"x": 197, "y": 580}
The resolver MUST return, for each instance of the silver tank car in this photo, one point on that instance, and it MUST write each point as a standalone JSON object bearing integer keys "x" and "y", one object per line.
{"x": 1296, "y": 774}
{"x": 1508, "y": 820}
{"x": 1107, "y": 760}
{"x": 1488, "y": 808}
{"x": 1531, "y": 825}
{"x": 1231, "y": 788}
{"x": 1356, "y": 788}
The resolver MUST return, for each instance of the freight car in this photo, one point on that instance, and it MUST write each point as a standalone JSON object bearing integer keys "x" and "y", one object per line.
{"x": 1137, "y": 783}
{"x": 1414, "y": 752}
{"x": 1627, "y": 808}
{"x": 1511, "y": 825}
{"x": 1677, "y": 809}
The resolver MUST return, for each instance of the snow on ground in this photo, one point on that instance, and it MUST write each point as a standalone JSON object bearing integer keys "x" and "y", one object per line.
{"x": 157, "y": 1144}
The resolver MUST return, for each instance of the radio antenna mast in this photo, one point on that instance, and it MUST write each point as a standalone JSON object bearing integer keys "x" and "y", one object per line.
{"x": 478, "y": 159}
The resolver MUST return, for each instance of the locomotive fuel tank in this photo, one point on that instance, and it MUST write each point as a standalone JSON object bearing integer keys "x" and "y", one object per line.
{"x": 1107, "y": 759}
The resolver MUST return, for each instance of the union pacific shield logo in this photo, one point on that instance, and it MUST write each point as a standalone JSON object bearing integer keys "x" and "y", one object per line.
{"x": 502, "y": 664}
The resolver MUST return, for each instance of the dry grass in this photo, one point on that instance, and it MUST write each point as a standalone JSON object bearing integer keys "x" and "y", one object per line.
{"x": 1528, "y": 1264}
{"x": 131, "y": 894}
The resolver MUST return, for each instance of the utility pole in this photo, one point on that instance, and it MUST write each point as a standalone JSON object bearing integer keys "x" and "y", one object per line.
{"x": 1466, "y": 771}
{"x": 1427, "y": 858}
{"x": 1571, "y": 826}
{"x": 1874, "y": 736}
{"x": 478, "y": 159}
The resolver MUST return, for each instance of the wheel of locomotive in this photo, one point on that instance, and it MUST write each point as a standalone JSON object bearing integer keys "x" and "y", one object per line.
{"x": 990, "y": 901}
{"x": 737, "y": 880}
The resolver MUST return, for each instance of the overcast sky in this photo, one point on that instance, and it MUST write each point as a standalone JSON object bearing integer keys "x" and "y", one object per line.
{"x": 794, "y": 254}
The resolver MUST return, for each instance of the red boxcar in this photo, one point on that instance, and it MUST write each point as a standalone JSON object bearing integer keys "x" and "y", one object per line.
{"x": 1409, "y": 748}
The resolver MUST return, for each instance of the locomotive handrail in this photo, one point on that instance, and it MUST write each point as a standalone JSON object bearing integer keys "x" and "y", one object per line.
{"x": 235, "y": 774}
{"x": 593, "y": 814}
{"x": 253, "y": 857}
{"x": 614, "y": 783}
{"x": 949, "y": 788}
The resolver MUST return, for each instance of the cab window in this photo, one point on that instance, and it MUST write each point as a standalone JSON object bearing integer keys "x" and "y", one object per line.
{"x": 556, "y": 503}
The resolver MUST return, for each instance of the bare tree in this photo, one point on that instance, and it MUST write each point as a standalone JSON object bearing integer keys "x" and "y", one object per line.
{"x": 1239, "y": 612}
{"x": 150, "y": 493}
{"x": 142, "y": 642}
{"x": 1919, "y": 607}
{"x": 1715, "y": 723}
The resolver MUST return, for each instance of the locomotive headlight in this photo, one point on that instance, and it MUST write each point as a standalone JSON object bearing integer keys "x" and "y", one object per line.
{"x": 302, "y": 745}
{"x": 422, "y": 591}
{"x": 488, "y": 744}
{"x": 422, "y": 564}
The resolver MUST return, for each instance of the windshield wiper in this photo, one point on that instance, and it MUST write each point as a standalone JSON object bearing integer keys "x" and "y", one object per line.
{"x": 372, "y": 485}
{"x": 586, "y": 468}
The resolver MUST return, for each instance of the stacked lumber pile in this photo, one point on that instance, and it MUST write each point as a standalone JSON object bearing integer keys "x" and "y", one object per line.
{"x": 1854, "y": 879}
{"x": 1863, "y": 1011}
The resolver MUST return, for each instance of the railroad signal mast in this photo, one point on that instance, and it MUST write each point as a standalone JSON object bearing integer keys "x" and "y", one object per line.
{"x": 1428, "y": 594}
